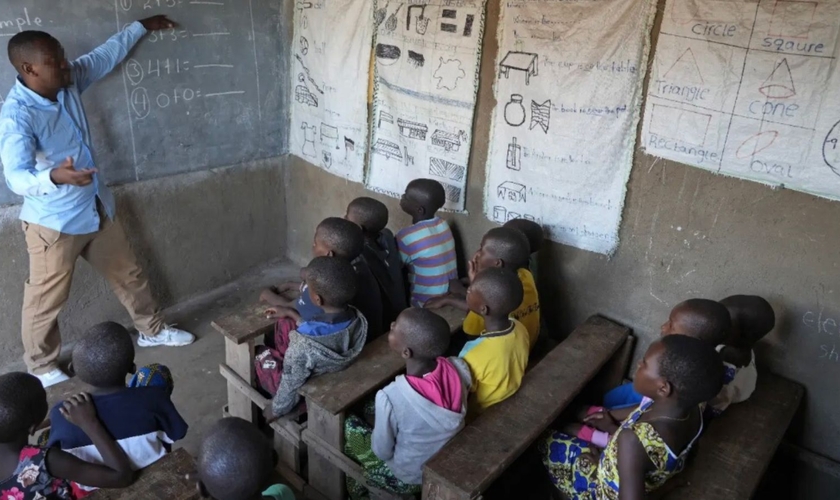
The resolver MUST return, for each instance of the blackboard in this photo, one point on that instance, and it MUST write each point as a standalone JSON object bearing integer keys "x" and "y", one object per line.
{"x": 207, "y": 94}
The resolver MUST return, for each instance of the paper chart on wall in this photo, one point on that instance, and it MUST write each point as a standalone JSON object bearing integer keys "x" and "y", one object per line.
{"x": 568, "y": 95}
{"x": 427, "y": 60}
{"x": 330, "y": 71}
{"x": 749, "y": 89}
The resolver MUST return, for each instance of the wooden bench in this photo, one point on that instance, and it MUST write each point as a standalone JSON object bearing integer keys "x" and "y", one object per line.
{"x": 480, "y": 453}
{"x": 737, "y": 447}
{"x": 241, "y": 331}
{"x": 164, "y": 479}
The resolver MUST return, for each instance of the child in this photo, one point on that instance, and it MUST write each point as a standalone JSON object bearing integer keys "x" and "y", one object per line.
{"x": 427, "y": 248}
{"x": 677, "y": 375}
{"x": 752, "y": 318}
{"x": 498, "y": 357}
{"x": 381, "y": 254}
{"x": 534, "y": 233}
{"x": 236, "y": 462}
{"x": 504, "y": 248}
{"x": 335, "y": 237}
{"x": 327, "y": 342}
{"x": 35, "y": 473}
{"x": 418, "y": 413}
{"x": 140, "y": 416}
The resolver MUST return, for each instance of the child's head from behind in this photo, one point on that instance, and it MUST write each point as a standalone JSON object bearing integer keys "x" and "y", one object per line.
{"x": 423, "y": 198}
{"x": 23, "y": 406}
{"x": 681, "y": 367}
{"x": 235, "y": 461}
{"x": 104, "y": 355}
{"x": 531, "y": 230}
{"x": 369, "y": 214}
{"x": 702, "y": 319}
{"x": 332, "y": 282}
{"x": 337, "y": 237}
{"x": 419, "y": 333}
{"x": 752, "y": 318}
{"x": 495, "y": 292}
{"x": 502, "y": 247}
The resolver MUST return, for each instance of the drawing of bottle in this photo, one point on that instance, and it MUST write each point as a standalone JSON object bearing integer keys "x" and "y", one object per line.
{"x": 422, "y": 24}
{"x": 515, "y": 111}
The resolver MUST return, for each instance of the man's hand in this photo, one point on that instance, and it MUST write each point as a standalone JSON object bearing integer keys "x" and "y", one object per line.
{"x": 155, "y": 23}
{"x": 80, "y": 411}
{"x": 66, "y": 174}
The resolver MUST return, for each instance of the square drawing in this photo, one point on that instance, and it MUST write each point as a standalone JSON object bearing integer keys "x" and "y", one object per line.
{"x": 792, "y": 18}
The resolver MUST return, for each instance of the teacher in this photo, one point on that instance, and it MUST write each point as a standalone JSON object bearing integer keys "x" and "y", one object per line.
{"x": 48, "y": 158}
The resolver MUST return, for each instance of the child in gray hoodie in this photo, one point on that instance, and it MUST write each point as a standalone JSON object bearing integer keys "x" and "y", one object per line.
{"x": 325, "y": 343}
{"x": 416, "y": 414}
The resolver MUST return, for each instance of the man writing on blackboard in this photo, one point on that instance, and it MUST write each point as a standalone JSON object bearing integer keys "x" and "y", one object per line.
{"x": 48, "y": 158}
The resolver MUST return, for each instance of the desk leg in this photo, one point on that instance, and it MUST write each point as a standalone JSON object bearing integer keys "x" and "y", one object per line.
{"x": 240, "y": 359}
{"x": 323, "y": 475}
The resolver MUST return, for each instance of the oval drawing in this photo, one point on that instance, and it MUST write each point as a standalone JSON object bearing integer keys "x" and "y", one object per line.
{"x": 831, "y": 149}
{"x": 387, "y": 54}
{"x": 756, "y": 144}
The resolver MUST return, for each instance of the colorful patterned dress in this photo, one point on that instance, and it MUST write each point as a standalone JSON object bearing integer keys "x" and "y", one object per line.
{"x": 579, "y": 477}
{"x": 31, "y": 481}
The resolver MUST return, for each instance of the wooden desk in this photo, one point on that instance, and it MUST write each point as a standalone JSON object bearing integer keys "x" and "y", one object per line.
{"x": 480, "y": 453}
{"x": 165, "y": 479}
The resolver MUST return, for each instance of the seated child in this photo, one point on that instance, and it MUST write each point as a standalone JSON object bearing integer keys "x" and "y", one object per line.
{"x": 31, "y": 472}
{"x": 327, "y": 342}
{"x": 417, "y": 414}
{"x": 752, "y": 318}
{"x": 380, "y": 252}
{"x": 139, "y": 415}
{"x": 676, "y": 377}
{"x": 535, "y": 235}
{"x": 236, "y": 462}
{"x": 499, "y": 356}
{"x": 334, "y": 237}
{"x": 427, "y": 248}
{"x": 504, "y": 248}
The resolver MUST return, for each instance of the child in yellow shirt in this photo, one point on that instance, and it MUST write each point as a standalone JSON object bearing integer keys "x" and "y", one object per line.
{"x": 498, "y": 357}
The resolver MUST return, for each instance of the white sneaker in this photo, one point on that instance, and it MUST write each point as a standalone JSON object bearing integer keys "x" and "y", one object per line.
{"x": 52, "y": 377}
{"x": 169, "y": 336}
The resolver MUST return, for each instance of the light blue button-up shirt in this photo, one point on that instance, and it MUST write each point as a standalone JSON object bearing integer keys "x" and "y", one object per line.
{"x": 37, "y": 135}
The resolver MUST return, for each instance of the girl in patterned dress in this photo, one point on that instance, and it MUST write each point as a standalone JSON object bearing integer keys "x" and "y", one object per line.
{"x": 33, "y": 473}
{"x": 677, "y": 375}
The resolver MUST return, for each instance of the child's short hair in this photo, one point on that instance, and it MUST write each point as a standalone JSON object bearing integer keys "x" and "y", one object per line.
{"x": 693, "y": 367}
{"x": 333, "y": 279}
{"x": 753, "y": 315}
{"x": 509, "y": 245}
{"x": 343, "y": 237}
{"x": 500, "y": 288}
{"x": 104, "y": 355}
{"x": 425, "y": 333}
{"x": 371, "y": 214}
{"x": 23, "y": 403}
{"x": 705, "y": 319}
{"x": 429, "y": 193}
{"x": 531, "y": 230}
{"x": 235, "y": 461}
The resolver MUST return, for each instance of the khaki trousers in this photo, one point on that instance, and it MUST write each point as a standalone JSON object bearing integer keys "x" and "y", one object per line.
{"x": 52, "y": 260}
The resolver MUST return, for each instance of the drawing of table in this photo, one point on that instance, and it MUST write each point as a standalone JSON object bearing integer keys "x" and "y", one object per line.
{"x": 520, "y": 61}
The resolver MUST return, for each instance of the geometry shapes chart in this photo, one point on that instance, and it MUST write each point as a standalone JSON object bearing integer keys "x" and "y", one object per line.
{"x": 754, "y": 92}
{"x": 568, "y": 92}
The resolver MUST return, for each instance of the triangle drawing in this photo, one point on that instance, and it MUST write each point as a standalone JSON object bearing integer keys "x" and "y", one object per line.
{"x": 779, "y": 85}
{"x": 686, "y": 69}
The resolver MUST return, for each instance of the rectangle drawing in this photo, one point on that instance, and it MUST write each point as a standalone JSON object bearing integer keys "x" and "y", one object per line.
{"x": 680, "y": 124}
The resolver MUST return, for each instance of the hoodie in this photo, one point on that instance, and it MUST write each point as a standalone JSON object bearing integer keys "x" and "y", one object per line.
{"x": 384, "y": 262}
{"x": 410, "y": 429}
{"x": 310, "y": 355}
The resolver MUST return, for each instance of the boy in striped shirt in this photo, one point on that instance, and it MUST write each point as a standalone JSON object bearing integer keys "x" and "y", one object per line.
{"x": 426, "y": 247}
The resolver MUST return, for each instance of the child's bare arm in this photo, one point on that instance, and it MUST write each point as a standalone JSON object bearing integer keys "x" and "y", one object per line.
{"x": 115, "y": 472}
{"x": 456, "y": 287}
{"x": 633, "y": 463}
{"x": 446, "y": 301}
{"x": 274, "y": 297}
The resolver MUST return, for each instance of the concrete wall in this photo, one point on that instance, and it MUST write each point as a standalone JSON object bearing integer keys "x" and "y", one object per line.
{"x": 685, "y": 233}
{"x": 192, "y": 232}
